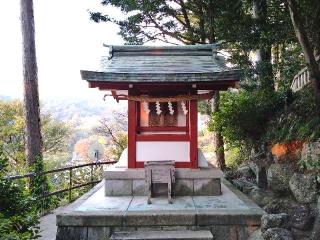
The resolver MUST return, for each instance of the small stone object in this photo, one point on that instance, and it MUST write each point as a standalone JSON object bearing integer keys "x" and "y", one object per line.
{"x": 279, "y": 176}
{"x": 261, "y": 197}
{"x": 277, "y": 234}
{"x": 280, "y": 220}
{"x": 159, "y": 172}
{"x": 302, "y": 218}
{"x": 304, "y": 187}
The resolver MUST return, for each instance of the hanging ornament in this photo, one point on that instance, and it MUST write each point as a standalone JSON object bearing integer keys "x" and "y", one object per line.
{"x": 184, "y": 108}
{"x": 146, "y": 107}
{"x": 170, "y": 108}
{"x": 158, "y": 108}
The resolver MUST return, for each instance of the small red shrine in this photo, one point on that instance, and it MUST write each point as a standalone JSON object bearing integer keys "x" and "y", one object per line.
{"x": 162, "y": 86}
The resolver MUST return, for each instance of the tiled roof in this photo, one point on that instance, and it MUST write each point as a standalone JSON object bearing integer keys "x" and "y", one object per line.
{"x": 196, "y": 63}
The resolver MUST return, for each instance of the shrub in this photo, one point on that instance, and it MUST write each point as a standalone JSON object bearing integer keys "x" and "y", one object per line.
{"x": 40, "y": 186}
{"x": 243, "y": 116}
{"x": 18, "y": 216}
{"x": 299, "y": 121}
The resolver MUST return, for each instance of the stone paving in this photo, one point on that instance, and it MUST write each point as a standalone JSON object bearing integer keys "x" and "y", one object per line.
{"x": 48, "y": 225}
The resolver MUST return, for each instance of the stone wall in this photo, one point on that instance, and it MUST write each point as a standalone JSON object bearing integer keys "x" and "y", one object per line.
{"x": 219, "y": 232}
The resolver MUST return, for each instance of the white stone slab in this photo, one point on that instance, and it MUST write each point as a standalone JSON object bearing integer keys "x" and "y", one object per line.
{"x": 139, "y": 203}
{"x": 98, "y": 202}
{"x": 228, "y": 200}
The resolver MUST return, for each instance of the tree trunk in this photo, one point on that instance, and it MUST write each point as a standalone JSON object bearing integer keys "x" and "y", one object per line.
{"x": 30, "y": 80}
{"x": 212, "y": 37}
{"x": 302, "y": 36}
{"x": 218, "y": 139}
{"x": 264, "y": 66}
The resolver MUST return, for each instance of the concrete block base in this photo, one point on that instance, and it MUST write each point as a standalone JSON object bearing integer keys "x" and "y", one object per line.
{"x": 229, "y": 216}
{"x": 189, "y": 182}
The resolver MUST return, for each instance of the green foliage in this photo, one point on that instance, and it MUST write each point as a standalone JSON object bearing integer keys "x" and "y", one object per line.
{"x": 290, "y": 62}
{"x": 39, "y": 186}
{"x": 11, "y": 130}
{"x": 235, "y": 156}
{"x": 57, "y": 160}
{"x": 310, "y": 12}
{"x": 299, "y": 121}
{"x": 244, "y": 115}
{"x": 55, "y": 135}
{"x": 204, "y": 107}
{"x": 18, "y": 216}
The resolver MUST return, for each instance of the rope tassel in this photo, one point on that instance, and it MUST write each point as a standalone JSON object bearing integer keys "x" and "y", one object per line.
{"x": 170, "y": 108}
{"x": 146, "y": 107}
{"x": 184, "y": 108}
{"x": 158, "y": 108}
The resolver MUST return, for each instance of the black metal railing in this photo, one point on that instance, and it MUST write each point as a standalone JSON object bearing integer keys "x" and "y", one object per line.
{"x": 95, "y": 176}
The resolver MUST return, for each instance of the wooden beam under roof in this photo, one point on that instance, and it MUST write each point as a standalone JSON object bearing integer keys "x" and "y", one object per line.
{"x": 146, "y": 87}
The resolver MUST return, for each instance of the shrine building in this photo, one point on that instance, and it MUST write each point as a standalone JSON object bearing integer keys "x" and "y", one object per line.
{"x": 162, "y": 86}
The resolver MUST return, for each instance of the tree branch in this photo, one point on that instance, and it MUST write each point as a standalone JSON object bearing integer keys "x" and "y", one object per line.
{"x": 199, "y": 4}
{"x": 177, "y": 36}
{"x": 306, "y": 47}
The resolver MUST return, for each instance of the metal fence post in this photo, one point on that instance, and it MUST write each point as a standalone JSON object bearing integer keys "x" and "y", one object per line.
{"x": 70, "y": 183}
{"x": 92, "y": 185}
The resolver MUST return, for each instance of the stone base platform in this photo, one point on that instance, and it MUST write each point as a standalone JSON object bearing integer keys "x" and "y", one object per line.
{"x": 163, "y": 235}
{"x": 189, "y": 182}
{"x": 95, "y": 216}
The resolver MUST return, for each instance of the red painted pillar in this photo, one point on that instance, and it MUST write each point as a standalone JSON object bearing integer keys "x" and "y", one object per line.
{"x": 193, "y": 132}
{"x": 132, "y": 132}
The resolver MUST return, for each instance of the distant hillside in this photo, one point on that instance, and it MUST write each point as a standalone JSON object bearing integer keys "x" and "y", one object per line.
{"x": 5, "y": 98}
{"x": 82, "y": 112}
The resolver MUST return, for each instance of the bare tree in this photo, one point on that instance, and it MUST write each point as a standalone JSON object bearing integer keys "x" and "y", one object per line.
{"x": 30, "y": 80}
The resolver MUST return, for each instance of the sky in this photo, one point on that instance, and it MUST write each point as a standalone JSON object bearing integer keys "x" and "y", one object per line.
{"x": 66, "y": 41}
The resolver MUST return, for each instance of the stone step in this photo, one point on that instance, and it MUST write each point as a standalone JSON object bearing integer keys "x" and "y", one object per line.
{"x": 163, "y": 235}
